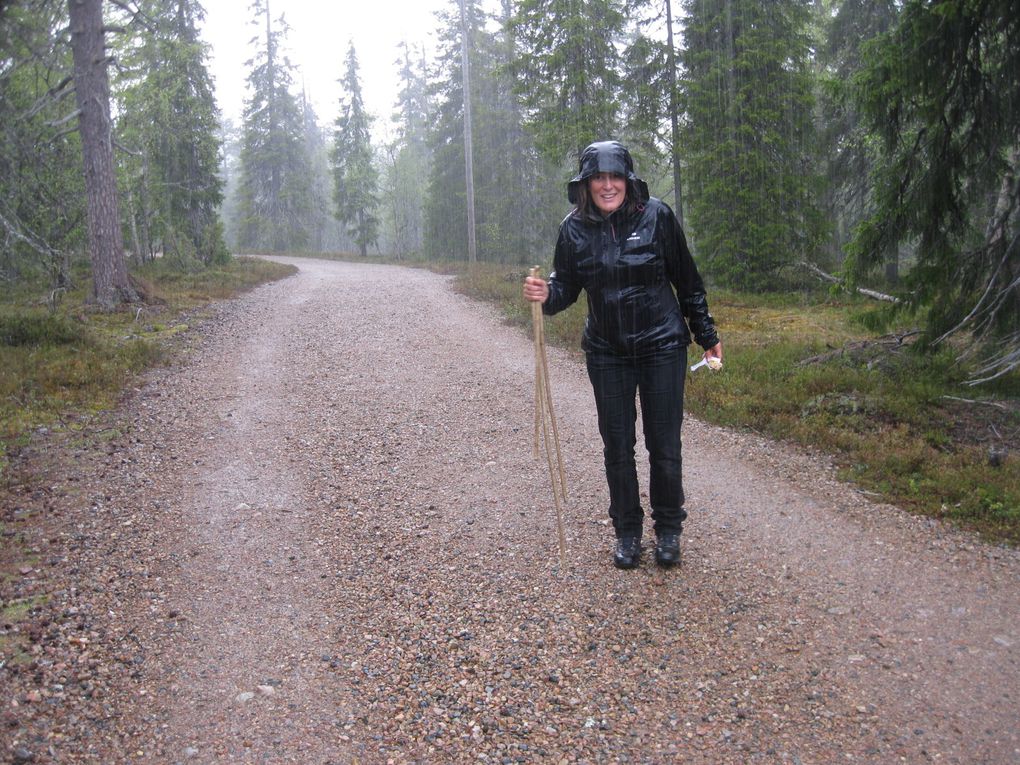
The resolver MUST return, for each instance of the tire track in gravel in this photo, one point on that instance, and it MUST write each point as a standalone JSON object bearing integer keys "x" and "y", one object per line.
{"x": 357, "y": 561}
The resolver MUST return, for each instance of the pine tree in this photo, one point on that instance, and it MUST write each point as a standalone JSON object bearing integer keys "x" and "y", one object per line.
{"x": 749, "y": 102}
{"x": 111, "y": 285}
{"x": 274, "y": 191}
{"x": 355, "y": 177}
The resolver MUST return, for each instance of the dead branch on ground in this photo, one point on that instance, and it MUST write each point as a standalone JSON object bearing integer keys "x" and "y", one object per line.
{"x": 874, "y": 294}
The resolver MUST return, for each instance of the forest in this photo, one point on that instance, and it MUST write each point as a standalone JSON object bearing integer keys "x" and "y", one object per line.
{"x": 870, "y": 142}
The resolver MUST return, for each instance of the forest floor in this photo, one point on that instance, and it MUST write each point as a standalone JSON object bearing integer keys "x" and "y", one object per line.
{"x": 321, "y": 536}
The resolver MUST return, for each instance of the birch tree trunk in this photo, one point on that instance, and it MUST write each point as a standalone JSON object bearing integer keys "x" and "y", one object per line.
{"x": 110, "y": 283}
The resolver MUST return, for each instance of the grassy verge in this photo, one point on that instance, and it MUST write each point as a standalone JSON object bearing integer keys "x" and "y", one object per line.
{"x": 60, "y": 365}
{"x": 901, "y": 425}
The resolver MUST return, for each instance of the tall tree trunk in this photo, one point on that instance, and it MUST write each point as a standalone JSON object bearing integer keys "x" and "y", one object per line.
{"x": 892, "y": 268}
{"x": 674, "y": 118}
{"x": 731, "y": 66}
{"x": 469, "y": 170}
{"x": 137, "y": 256}
{"x": 110, "y": 283}
{"x": 148, "y": 253}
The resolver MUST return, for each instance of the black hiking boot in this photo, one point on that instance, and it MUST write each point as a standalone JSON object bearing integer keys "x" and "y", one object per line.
{"x": 628, "y": 552}
{"x": 667, "y": 550}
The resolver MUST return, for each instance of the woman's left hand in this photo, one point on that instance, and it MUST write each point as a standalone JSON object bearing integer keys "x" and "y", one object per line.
{"x": 715, "y": 352}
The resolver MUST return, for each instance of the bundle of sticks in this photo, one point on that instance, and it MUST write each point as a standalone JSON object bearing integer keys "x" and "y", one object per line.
{"x": 546, "y": 432}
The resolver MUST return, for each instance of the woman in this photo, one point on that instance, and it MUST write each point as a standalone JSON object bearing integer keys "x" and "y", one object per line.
{"x": 645, "y": 300}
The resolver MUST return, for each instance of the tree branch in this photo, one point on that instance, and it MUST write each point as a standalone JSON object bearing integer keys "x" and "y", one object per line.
{"x": 52, "y": 96}
{"x": 885, "y": 344}
{"x": 133, "y": 152}
{"x": 977, "y": 401}
{"x": 36, "y": 243}
{"x": 874, "y": 294}
{"x": 64, "y": 120}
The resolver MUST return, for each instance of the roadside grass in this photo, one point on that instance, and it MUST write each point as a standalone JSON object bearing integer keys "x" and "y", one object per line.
{"x": 902, "y": 426}
{"x": 15, "y": 646}
{"x": 61, "y": 364}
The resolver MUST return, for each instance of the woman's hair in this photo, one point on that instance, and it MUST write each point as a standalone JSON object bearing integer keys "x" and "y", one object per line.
{"x": 586, "y": 209}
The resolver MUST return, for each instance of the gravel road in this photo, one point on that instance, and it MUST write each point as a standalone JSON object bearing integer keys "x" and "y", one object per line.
{"x": 323, "y": 538}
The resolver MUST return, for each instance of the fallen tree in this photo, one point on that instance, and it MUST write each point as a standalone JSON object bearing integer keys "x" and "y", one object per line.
{"x": 836, "y": 280}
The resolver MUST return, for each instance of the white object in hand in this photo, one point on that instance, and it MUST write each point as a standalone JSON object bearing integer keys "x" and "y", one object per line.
{"x": 711, "y": 362}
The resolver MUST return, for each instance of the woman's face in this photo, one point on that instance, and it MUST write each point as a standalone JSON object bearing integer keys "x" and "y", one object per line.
{"x": 608, "y": 190}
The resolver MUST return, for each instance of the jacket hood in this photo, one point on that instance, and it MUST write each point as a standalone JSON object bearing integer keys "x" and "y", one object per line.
{"x": 607, "y": 157}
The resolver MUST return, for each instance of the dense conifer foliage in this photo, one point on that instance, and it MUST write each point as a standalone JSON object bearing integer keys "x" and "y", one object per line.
{"x": 275, "y": 197}
{"x": 941, "y": 92}
{"x": 355, "y": 177}
{"x": 869, "y": 138}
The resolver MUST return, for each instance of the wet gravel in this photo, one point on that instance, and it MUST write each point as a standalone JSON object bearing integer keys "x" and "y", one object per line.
{"x": 322, "y": 537}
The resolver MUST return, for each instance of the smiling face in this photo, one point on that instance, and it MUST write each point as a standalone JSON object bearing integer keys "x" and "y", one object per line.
{"x": 608, "y": 191}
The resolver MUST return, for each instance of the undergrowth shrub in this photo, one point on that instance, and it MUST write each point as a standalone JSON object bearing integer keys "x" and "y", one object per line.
{"x": 41, "y": 329}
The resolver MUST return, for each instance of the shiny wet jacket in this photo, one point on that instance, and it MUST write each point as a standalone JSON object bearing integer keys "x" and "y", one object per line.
{"x": 644, "y": 291}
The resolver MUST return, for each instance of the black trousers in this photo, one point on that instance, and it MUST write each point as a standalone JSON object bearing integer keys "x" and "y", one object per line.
{"x": 659, "y": 380}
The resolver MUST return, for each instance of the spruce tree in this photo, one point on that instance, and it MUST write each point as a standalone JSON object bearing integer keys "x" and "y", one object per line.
{"x": 319, "y": 214}
{"x": 275, "y": 187}
{"x": 749, "y": 138}
{"x": 939, "y": 90}
{"x": 169, "y": 119}
{"x": 42, "y": 196}
{"x": 520, "y": 191}
{"x": 522, "y": 197}
{"x": 848, "y": 155}
{"x": 408, "y": 158}
{"x": 446, "y": 232}
{"x": 567, "y": 72}
{"x": 355, "y": 177}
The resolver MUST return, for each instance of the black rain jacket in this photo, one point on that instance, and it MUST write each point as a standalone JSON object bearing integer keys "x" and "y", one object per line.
{"x": 644, "y": 291}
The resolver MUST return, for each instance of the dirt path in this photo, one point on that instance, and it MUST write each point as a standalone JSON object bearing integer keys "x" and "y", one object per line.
{"x": 324, "y": 539}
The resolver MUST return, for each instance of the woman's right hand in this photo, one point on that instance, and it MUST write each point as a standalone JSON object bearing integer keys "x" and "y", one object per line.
{"x": 535, "y": 290}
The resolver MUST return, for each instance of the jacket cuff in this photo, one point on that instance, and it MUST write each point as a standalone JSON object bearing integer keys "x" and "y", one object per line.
{"x": 708, "y": 341}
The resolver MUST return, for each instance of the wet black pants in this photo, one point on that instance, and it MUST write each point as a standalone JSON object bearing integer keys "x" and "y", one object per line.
{"x": 659, "y": 380}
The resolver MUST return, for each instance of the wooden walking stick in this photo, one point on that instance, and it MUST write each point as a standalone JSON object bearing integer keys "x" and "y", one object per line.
{"x": 545, "y": 420}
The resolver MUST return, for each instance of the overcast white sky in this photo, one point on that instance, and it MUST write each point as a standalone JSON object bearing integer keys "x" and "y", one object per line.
{"x": 317, "y": 45}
